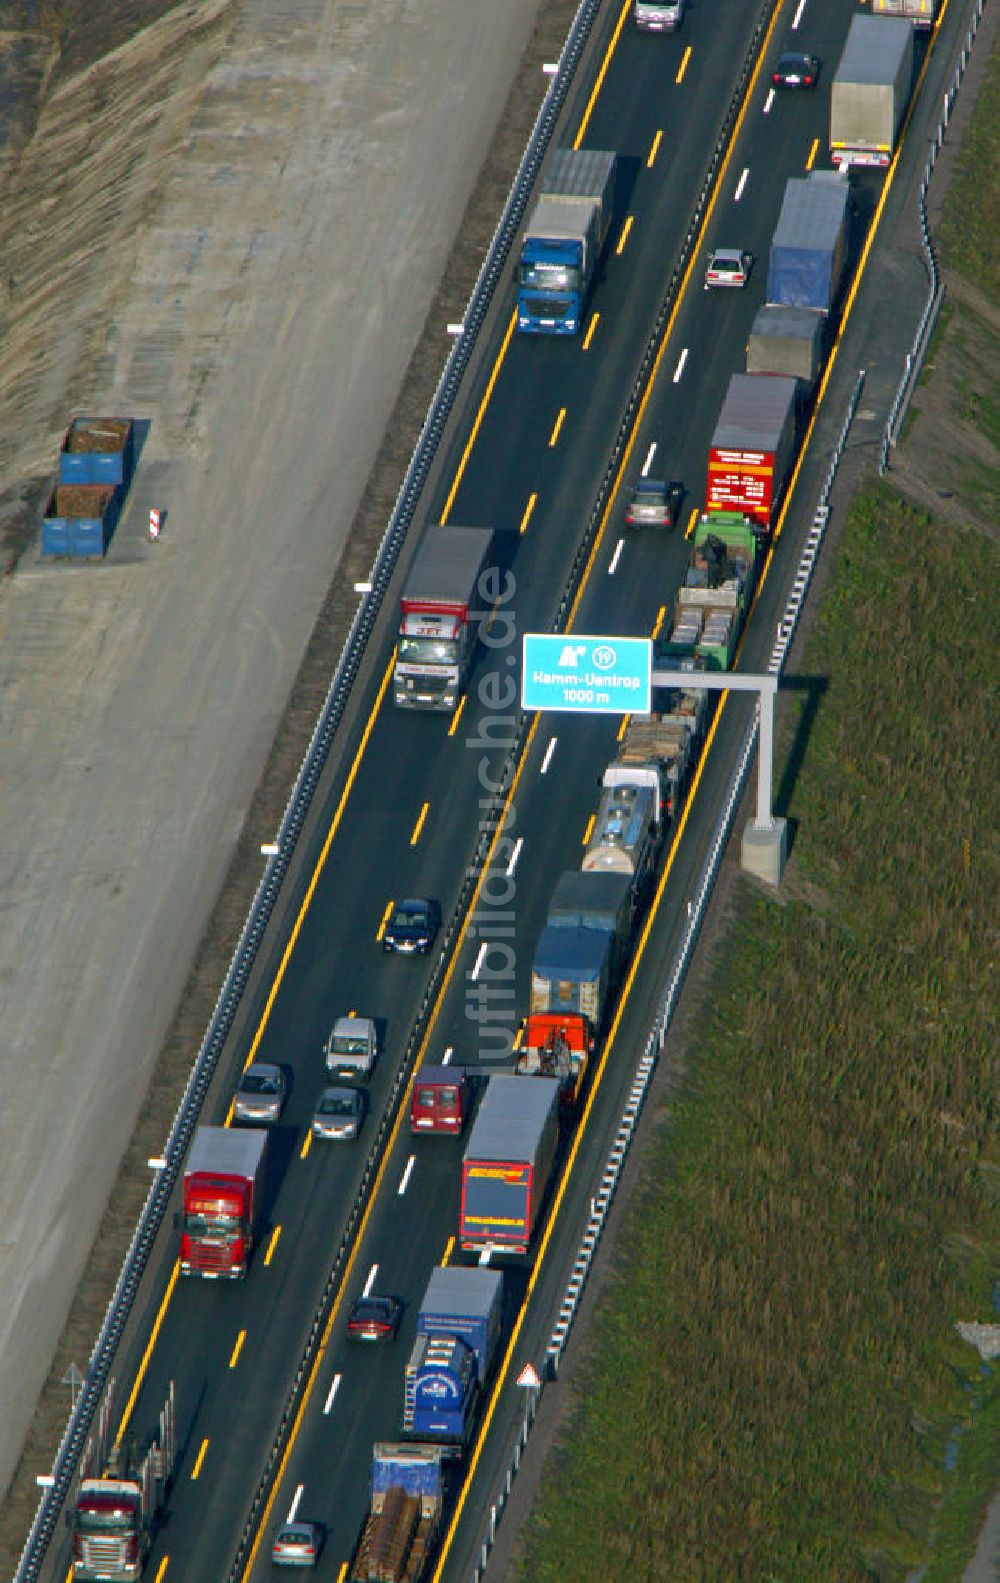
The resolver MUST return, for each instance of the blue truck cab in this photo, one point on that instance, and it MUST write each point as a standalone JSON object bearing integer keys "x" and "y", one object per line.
{"x": 564, "y": 240}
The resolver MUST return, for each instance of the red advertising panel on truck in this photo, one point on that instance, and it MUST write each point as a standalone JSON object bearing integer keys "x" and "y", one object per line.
{"x": 508, "y": 1163}
{"x": 751, "y": 448}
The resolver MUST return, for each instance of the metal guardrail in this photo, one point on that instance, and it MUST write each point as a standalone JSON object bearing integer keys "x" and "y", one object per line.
{"x": 600, "y": 1203}
{"x": 299, "y": 803}
{"x": 935, "y": 297}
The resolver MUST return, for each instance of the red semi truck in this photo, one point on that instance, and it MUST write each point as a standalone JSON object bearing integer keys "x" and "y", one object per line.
{"x": 508, "y": 1163}
{"x": 752, "y": 447}
{"x": 121, "y": 1499}
{"x": 223, "y": 1200}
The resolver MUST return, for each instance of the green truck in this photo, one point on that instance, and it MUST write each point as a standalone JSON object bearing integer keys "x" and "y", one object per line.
{"x": 712, "y": 602}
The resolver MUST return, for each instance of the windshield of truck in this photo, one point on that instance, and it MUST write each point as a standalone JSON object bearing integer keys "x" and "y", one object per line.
{"x": 493, "y": 1205}
{"x": 427, "y": 651}
{"x": 215, "y": 1225}
{"x": 104, "y": 1522}
{"x": 540, "y": 276}
{"x": 350, "y": 1044}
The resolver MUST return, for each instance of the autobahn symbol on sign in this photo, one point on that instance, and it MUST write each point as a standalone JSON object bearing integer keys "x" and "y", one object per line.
{"x": 586, "y": 675}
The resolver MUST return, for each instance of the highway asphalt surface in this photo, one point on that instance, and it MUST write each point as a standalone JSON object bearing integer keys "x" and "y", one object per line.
{"x": 407, "y": 822}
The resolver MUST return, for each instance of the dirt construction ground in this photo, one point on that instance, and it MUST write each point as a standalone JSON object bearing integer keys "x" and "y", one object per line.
{"x": 232, "y": 226}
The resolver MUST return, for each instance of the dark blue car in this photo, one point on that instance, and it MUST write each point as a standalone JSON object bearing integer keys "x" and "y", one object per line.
{"x": 413, "y": 925}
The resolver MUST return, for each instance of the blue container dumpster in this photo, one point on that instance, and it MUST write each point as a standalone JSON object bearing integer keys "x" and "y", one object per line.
{"x": 98, "y": 451}
{"x": 80, "y": 519}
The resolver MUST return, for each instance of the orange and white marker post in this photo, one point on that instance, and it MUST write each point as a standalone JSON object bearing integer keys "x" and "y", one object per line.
{"x": 155, "y": 523}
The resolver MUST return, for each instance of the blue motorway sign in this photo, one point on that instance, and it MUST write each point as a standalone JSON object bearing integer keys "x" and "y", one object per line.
{"x": 608, "y": 676}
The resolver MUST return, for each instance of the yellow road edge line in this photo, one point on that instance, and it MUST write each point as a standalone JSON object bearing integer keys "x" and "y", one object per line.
{"x": 480, "y": 415}
{"x": 151, "y": 1343}
{"x": 578, "y": 1136}
{"x": 599, "y": 80}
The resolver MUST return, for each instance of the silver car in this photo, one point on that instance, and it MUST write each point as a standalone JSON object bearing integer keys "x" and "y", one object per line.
{"x": 338, "y": 1114}
{"x": 351, "y": 1049}
{"x": 261, "y": 1093}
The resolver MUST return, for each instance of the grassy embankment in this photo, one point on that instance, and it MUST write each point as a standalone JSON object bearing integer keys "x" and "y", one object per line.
{"x": 819, "y": 1208}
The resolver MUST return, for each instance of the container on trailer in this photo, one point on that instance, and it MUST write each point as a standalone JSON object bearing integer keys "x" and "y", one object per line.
{"x": 870, "y": 91}
{"x": 571, "y": 971}
{"x": 809, "y": 247}
{"x": 594, "y": 900}
{"x": 787, "y": 341}
{"x": 564, "y": 239}
{"x": 711, "y": 603}
{"x": 751, "y": 449}
{"x": 920, "y": 12}
{"x": 508, "y": 1163}
{"x": 399, "y": 1534}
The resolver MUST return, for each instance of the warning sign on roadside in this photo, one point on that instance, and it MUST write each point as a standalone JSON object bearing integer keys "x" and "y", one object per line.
{"x": 529, "y": 1376}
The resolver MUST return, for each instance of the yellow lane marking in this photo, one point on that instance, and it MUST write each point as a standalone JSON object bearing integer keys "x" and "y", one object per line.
{"x": 161, "y": 1570}
{"x": 306, "y": 1145}
{"x": 269, "y": 1255}
{"x": 560, "y": 420}
{"x": 422, "y": 815}
{"x": 658, "y": 623}
{"x": 622, "y": 729}
{"x": 692, "y": 523}
{"x": 595, "y": 320}
{"x": 605, "y": 63}
{"x": 234, "y": 1356}
{"x": 682, "y": 68}
{"x": 385, "y": 919}
{"x": 449, "y": 1246}
{"x": 654, "y": 150}
{"x": 196, "y": 1470}
{"x": 457, "y": 716}
{"x": 812, "y": 153}
{"x": 480, "y": 415}
{"x": 626, "y": 228}
{"x": 342, "y": 1574}
{"x": 151, "y": 1343}
{"x": 590, "y": 829}
{"x": 529, "y": 508}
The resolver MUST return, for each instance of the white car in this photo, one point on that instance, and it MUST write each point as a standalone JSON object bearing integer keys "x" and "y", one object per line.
{"x": 728, "y": 266}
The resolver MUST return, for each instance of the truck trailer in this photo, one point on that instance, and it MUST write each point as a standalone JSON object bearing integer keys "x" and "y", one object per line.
{"x": 571, "y": 971}
{"x": 787, "y": 341}
{"x": 870, "y": 91}
{"x": 920, "y": 12}
{"x": 121, "y": 1499}
{"x": 508, "y": 1163}
{"x": 752, "y": 447}
{"x": 564, "y": 240}
{"x": 659, "y": 749}
{"x": 438, "y": 623}
{"x": 223, "y": 1201}
{"x": 458, "y": 1335}
{"x": 809, "y": 247}
{"x": 713, "y": 600}
{"x": 400, "y": 1532}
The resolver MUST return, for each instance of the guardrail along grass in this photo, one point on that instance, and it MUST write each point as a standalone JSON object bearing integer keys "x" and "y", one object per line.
{"x": 775, "y": 1374}
{"x": 970, "y": 225}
